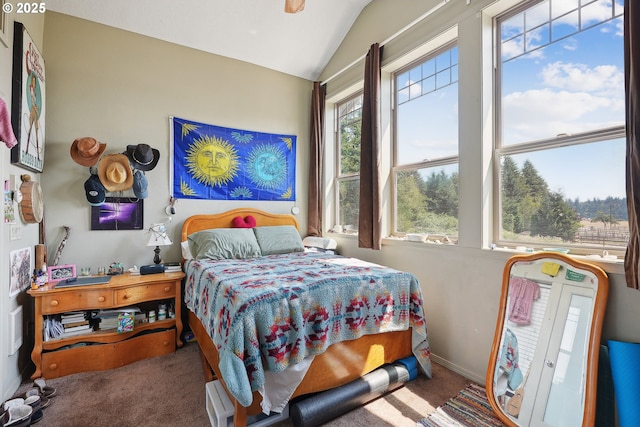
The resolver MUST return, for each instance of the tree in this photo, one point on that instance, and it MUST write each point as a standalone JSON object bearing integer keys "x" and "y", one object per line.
{"x": 411, "y": 201}
{"x": 513, "y": 192}
{"x": 536, "y": 189}
{"x": 555, "y": 218}
{"x": 604, "y": 219}
{"x": 442, "y": 193}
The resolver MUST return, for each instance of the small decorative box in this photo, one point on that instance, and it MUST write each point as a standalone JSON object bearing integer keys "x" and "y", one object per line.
{"x": 125, "y": 322}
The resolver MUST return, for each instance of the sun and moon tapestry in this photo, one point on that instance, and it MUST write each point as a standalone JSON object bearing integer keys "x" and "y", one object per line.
{"x": 218, "y": 163}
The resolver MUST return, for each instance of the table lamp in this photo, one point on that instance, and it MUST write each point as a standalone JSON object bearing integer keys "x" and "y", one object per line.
{"x": 158, "y": 237}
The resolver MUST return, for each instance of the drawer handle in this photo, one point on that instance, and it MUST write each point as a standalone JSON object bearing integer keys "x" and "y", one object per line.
{"x": 54, "y": 303}
{"x": 165, "y": 343}
{"x": 126, "y": 296}
{"x": 53, "y": 366}
{"x": 101, "y": 299}
{"x": 167, "y": 288}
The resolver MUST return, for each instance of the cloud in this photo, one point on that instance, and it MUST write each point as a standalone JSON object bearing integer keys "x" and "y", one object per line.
{"x": 602, "y": 79}
{"x": 544, "y": 113}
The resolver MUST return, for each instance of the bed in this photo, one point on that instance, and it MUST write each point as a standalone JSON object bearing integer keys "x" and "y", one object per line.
{"x": 258, "y": 314}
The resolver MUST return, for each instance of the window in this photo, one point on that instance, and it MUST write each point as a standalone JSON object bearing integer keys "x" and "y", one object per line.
{"x": 348, "y": 177}
{"x": 560, "y": 143}
{"x": 426, "y": 146}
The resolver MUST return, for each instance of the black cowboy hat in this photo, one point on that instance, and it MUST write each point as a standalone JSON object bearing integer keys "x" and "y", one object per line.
{"x": 142, "y": 156}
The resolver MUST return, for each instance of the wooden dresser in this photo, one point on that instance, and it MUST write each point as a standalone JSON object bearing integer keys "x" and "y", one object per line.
{"x": 106, "y": 349}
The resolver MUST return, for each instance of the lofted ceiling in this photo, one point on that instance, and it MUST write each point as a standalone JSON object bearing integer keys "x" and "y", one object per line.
{"x": 255, "y": 31}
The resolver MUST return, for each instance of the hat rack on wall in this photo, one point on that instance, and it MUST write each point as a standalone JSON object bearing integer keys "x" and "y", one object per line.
{"x": 114, "y": 174}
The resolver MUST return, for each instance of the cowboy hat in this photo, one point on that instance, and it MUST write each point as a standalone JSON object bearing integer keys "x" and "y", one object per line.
{"x": 86, "y": 151}
{"x": 142, "y": 156}
{"x": 115, "y": 172}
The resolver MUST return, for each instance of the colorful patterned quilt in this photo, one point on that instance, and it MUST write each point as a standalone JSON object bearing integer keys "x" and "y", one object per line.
{"x": 271, "y": 312}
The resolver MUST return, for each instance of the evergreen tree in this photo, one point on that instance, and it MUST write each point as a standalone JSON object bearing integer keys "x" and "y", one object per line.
{"x": 555, "y": 218}
{"x": 442, "y": 193}
{"x": 513, "y": 192}
{"x": 411, "y": 201}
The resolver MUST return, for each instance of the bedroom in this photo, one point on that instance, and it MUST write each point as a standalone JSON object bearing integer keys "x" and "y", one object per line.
{"x": 121, "y": 87}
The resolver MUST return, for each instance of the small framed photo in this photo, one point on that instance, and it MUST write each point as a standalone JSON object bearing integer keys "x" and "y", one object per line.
{"x": 117, "y": 213}
{"x": 58, "y": 273}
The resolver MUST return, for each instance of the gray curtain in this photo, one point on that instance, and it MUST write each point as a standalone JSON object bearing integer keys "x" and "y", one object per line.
{"x": 370, "y": 214}
{"x": 632, "y": 79}
{"x": 316, "y": 141}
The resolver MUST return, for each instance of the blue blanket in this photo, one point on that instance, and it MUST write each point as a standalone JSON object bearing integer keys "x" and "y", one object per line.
{"x": 271, "y": 312}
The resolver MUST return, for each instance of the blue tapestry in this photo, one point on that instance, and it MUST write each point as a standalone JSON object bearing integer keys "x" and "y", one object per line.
{"x": 213, "y": 162}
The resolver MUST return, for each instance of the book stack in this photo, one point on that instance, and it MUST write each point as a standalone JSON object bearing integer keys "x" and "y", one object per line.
{"x": 75, "y": 323}
{"x": 172, "y": 267}
{"x": 67, "y": 324}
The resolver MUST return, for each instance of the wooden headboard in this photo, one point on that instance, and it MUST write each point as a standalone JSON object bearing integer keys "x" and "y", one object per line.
{"x": 224, "y": 220}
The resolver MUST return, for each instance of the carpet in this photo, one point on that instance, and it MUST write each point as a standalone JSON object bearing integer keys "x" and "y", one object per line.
{"x": 470, "y": 408}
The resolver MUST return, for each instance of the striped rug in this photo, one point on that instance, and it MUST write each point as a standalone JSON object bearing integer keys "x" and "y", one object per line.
{"x": 469, "y": 408}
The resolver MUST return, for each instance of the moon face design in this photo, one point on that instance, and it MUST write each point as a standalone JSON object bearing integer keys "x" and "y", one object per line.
{"x": 267, "y": 167}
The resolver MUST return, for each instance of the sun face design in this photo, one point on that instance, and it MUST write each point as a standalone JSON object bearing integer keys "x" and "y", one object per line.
{"x": 267, "y": 167}
{"x": 212, "y": 161}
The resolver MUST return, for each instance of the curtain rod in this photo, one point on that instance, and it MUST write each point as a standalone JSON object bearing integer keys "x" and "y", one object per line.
{"x": 392, "y": 37}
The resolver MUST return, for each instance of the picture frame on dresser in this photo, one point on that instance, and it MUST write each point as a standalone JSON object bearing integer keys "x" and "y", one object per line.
{"x": 58, "y": 273}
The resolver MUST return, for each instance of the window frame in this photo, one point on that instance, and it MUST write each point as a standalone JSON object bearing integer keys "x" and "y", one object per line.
{"x": 438, "y": 162}
{"x": 499, "y": 150}
{"x": 339, "y": 177}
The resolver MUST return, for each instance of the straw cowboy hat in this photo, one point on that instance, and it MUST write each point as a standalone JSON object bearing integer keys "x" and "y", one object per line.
{"x": 115, "y": 172}
{"x": 142, "y": 156}
{"x": 86, "y": 151}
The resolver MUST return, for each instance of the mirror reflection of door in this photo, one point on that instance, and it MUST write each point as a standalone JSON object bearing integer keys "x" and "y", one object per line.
{"x": 544, "y": 357}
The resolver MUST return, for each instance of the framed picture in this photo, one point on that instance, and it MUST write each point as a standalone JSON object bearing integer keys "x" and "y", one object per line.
{"x": 28, "y": 101}
{"x": 57, "y": 273}
{"x": 117, "y": 213}
{"x": 21, "y": 266}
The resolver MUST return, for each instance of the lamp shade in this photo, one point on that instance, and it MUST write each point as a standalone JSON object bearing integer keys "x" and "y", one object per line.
{"x": 158, "y": 235}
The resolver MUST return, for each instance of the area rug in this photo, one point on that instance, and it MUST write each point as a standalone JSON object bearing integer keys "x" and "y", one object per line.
{"x": 469, "y": 408}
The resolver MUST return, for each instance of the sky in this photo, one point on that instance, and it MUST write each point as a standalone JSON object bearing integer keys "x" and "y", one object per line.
{"x": 569, "y": 84}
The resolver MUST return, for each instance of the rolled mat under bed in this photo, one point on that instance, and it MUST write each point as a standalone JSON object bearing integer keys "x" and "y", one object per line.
{"x": 322, "y": 407}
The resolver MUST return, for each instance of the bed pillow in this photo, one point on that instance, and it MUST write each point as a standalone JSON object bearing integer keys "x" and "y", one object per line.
{"x": 186, "y": 250}
{"x": 248, "y": 221}
{"x": 278, "y": 239}
{"x": 224, "y": 243}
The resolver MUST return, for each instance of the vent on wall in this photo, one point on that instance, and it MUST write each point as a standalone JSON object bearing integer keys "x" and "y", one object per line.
{"x": 15, "y": 326}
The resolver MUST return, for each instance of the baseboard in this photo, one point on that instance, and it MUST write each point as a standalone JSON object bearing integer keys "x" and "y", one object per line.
{"x": 457, "y": 369}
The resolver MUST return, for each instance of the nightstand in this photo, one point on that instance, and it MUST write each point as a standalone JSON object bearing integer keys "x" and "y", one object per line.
{"x": 106, "y": 349}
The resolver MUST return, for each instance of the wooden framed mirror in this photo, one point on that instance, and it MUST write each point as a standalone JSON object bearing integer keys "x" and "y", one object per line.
{"x": 544, "y": 358}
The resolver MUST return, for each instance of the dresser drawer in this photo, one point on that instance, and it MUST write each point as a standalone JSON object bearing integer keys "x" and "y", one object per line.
{"x": 99, "y": 357}
{"x": 136, "y": 294}
{"x": 77, "y": 300}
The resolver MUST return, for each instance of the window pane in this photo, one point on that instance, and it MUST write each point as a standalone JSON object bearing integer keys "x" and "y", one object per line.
{"x": 349, "y": 203}
{"x": 350, "y": 119}
{"x": 572, "y": 194}
{"x": 427, "y": 120}
{"x": 427, "y": 201}
{"x": 570, "y": 85}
